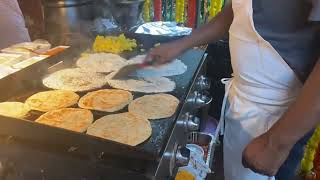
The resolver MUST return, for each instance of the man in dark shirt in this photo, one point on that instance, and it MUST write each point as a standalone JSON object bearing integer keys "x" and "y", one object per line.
{"x": 274, "y": 98}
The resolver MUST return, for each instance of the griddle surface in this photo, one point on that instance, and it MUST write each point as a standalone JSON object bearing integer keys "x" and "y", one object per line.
{"x": 161, "y": 128}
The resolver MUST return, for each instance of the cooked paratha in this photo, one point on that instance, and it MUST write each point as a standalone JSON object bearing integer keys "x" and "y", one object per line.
{"x": 101, "y": 62}
{"x": 108, "y": 100}
{"x": 75, "y": 79}
{"x": 145, "y": 85}
{"x": 155, "y": 106}
{"x": 14, "y": 109}
{"x": 125, "y": 128}
{"x": 51, "y": 100}
{"x": 74, "y": 119}
{"x": 176, "y": 67}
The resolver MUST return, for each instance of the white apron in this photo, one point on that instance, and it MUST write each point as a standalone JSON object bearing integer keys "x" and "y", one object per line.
{"x": 261, "y": 90}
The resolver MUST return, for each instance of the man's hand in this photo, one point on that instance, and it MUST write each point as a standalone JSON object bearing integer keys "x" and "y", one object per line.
{"x": 264, "y": 156}
{"x": 165, "y": 53}
{"x": 214, "y": 30}
{"x": 266, "y": 153}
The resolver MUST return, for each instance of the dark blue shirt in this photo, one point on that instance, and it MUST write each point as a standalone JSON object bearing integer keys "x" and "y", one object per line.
{"x": 292, "y": 27}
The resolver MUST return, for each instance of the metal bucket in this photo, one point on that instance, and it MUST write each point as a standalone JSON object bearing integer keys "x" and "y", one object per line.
{"x": 128, "y": 13}
{"x": 67, "y": 20}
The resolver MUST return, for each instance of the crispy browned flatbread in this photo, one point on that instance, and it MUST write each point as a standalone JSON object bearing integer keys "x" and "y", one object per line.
{"x": 14, "y": 109}
{"x": 73, "y": 119}
{"x": 125, "y": 128}
{"x": 51, "y": 100}
{"x": 155, "y": 106}
{"x": 108, "y": 100}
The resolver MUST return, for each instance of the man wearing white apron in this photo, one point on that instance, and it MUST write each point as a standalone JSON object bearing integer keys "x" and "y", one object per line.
{"x": 274, "y": 48}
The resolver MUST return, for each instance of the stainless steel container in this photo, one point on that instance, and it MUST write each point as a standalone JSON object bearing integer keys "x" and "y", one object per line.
{"x": 127, "y": 13}
{"x": 68, "y": 20}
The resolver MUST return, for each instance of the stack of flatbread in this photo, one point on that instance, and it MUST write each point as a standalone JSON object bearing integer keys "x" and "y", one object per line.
{"x": 155, "y": 106}
{"x": 51, "y": 100}
{"x": 176, "y": 67}
{"x": 75, "y": 79}
{"x": 125, "y": 128}
{"x": 145, "y": 85}
{"x": 101, "y": 62}
{"x": 14, "y": 109}
{"x": 73, "y": 119}
{"x": 108, "y": 100}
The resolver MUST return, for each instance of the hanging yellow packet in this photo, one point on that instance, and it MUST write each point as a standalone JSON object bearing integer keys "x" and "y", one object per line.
{"x": 180, "y": 8}
{"x": 146, "y": 11}
{"x": 215, "y": 7}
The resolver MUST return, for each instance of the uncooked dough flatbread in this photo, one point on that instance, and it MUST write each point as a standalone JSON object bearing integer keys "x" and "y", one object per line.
{"x": 108, "y": 100}
{"x": 101, "y": 62}
{"x": 155, "y": 106}
{"x": 75, "y": 79}
{"x": 14, "y": 109}
{"x": 145, "y": 85}
{"x": 51, "y": 100}
{"x": 74, "y": 119}
{"x": 125, "y": 128}
{"x": 176, "y": 67}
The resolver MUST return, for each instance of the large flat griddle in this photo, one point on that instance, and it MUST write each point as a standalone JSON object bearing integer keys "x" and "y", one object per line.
{"x": 21, "y": 85}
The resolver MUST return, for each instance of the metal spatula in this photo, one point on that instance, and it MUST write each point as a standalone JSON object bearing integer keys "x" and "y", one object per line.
{"x": 127, "y": 70}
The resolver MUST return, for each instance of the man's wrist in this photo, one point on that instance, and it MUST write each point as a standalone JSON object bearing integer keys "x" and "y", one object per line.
{"x": 187, "y": 42}
{"x": 280, "y": 139}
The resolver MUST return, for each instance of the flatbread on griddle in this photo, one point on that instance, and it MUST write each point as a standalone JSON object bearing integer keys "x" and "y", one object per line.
{"x": 51, "y": 100}
{"x": 108, "y": 100}
{"x": 176, "y": 67}
{"x": 74, "y": 119}
{"x": 14, "y": 109}
{"x": 75, "y": 79}
{"x": 101, "y": 62}
{"x": 155, "y": 106}
{"x": 145, "y": 85}
{"x": 125, "y": 128}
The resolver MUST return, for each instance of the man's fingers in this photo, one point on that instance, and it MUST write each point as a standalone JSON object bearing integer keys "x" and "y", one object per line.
{"x": 248, "y": 164}
{"x": 149, "y": 57}
{"x": 244, "y": 162}
{"x": 255, "y": 167}
{"x": 252, "y": 164}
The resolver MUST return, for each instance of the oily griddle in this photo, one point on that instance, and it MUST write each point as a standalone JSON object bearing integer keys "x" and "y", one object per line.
{"x": 161, "y": 128}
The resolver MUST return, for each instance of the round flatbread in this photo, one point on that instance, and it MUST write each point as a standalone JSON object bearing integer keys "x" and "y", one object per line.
{"x": 145, "y": 85}
{"x": 75, "y": 79}
{"x": 176, "y": 67}
{"x": 74, "y": 119}
{"x": 155, "y": 106}
{"x": 101, "y": 62}
{"x": 108, "y": 100}
{"x": 14, "y": 109}
{"x": 125, "y": 128}
{"x": 51, "y": 100}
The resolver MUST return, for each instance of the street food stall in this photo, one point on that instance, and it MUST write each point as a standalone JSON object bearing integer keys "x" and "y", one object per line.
{"x": 63, "y": 116}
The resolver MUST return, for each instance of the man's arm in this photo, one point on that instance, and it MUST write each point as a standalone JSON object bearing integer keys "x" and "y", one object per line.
{"x": 216, "y": 29}
{"x": 266, "y": 153}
